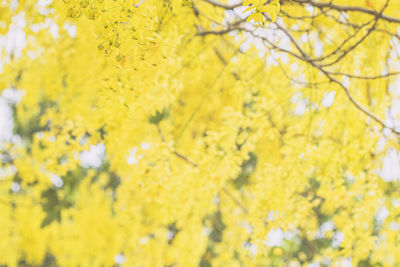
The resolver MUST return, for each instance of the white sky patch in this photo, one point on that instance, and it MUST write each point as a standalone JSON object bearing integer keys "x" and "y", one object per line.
{"x": 396, "y": 202}
{"x": 206, "y": 231}
{"x": 6, "y": 121}
{"x": 14, "y": 5}
{"x": 344, "y": 17}
{"x": 318, "y": 44}
{"x": 337, "y": 239}
{"x": 393, "y": 60}
{"x": 170, "y": 235}
{"x": 239, "y": 11}
{"x": 234, "y": 2}
{"x": 381, "y": 144}
{"x": 144, "y": 240}
{"x": 269, "y": 33}
{"x": 12, "y": 96}
{"x": 276, "y": 237}
{"x": 326, "y": 226}
{"x": 350, "y": 178}
{"x": 216, "y": 200}
{"x": 294, "y": 67}
{"x": 271, "y": 60}
{"x": 284, "y": 58}
{"x": 272, "y": 215}
{"x": 251, "y": 247}
{"x": 296, "y": 97}
{"x": 119, "y": 259}
{"x": 346, "y": 262}
{"x": 391, "y": 166}
{"x": 245, "y": 46}
{"x": 56, "y": 180}
{"x": 8, "y": 97}
{"x": 53, "y": 29}
{"x": 301, "y": 107}
{"x": 248, "y": 227}
{"x": 7, "y": 171}
{"x": 385, "y": 71}
{"x": 44, "y": 3}
{"x": 14, "y": 41}
{"x": 304, "y": 38}
{"x": 15, "y": 187}
{"x": 328, "y": 99}
{"x": 132, "y": 158}
{"x": 45, "y": 11}
{"x": 385, "y": 131}
{"x": 43, "y": 7}
{"x": 140, "y": 3}
{"x": 395, "y": 226}
{"x": 381, "y": 215}
{"x": 35, "y": 53}
{"x": 93, "y": 157}
{"x": 71, "y": 29}
{"x": 49, "y": 24}
{"x": 346, "y": 81}
{"x": 309, "y": 8}
{"x": 145, "y": 146}
{"x": 326, "y": 261}
{"x": 393, "y": 113}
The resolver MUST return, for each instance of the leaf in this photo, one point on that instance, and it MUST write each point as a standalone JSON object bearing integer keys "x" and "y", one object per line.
{"x": 250, "y": 17}
{"x": 258, "y": 17}
{"x": 273, "y": 10}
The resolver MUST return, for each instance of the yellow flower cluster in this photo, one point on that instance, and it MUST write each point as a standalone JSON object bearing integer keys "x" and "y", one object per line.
{"x": 261, "y": 6}
{"x": 140, "y": 140}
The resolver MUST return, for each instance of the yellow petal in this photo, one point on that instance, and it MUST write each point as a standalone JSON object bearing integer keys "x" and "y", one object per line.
{"x": 258, "y": 17}
{"x": 273, "y": 17}
{"x": 273, "y": 10}
{"x": 277, "y": 6}
{"x": 250, "y": 17}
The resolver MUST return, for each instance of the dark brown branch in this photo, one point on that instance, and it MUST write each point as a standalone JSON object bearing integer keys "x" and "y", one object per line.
{"x": 320, "y": 5}
{"x": 227, "y": 7}
{"x": 346, "y": 52}
{"x": 237, "y": 202}
{"x": 179, "y": 155}
{"x": 221, "y": 32}
{"x": 303, "y": 56}
{"x": 347, "y": 9}
{"x": 339, "y": 47}
{"x": 351, "y": 76}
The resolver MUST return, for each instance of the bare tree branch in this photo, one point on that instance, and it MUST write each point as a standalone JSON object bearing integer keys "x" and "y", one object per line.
{"x": 346, "y": 9}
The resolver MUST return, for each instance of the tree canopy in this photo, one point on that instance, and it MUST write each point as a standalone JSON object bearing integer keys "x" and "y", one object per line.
{"x": 200, "y": 133}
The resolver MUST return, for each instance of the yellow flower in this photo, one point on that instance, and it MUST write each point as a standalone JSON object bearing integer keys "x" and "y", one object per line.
{"x": 272, "y": 9}
{"x": 256, "y": 16}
